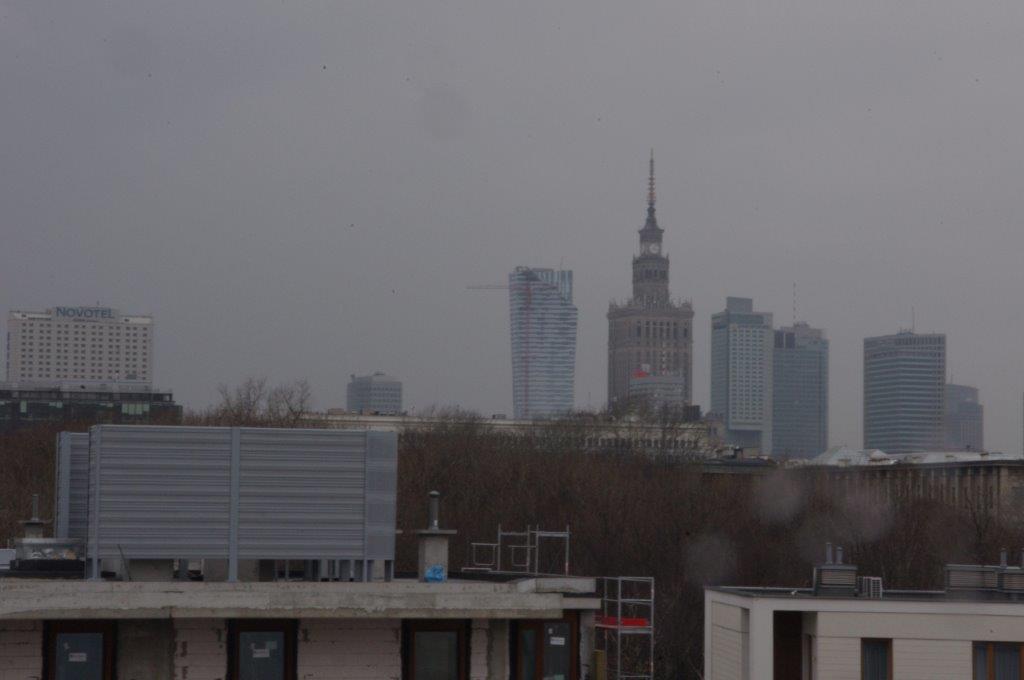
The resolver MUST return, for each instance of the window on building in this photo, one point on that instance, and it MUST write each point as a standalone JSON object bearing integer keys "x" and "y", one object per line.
{"x": 435, "y": 650}
{"x": 261, "y": 649}
{"x": 545, "y": 650}
{"x": 876, "y": 659}
{"x": 998, "y": 661}
{"x": 79, "y": 650}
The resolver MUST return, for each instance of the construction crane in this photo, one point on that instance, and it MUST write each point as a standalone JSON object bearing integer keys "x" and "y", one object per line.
{"x": 525, "y": 347}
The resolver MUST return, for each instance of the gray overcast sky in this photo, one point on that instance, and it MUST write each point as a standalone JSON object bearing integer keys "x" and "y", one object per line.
{"x": 303, "y": 188}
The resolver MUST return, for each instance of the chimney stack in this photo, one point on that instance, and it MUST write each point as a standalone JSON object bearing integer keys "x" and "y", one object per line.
{"x": 33, "y": 527}
{"x": 432, "y": 565}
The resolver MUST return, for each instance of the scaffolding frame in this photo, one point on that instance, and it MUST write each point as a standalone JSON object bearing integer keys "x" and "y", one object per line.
{"x": 524, "y": 552}
{"x": 627, "y": 616}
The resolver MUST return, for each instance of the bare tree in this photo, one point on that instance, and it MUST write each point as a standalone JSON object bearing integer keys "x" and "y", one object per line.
{"x": 254, "y": 403}
{"x": 244, "y": 404}
{"x": 288, "y": 404}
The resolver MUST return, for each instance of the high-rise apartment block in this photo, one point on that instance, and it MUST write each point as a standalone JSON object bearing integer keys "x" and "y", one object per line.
{"x": 965, "y": 419}
{"x": 651, "y": 331}
{"x": 800, "y": 392}
{"x": 374, "y": 393}
{"x": 84, "y": 344}
{"x": 742, "y": 342}
{"x": 543, "y": 327}
{"x": 904, "y": 392}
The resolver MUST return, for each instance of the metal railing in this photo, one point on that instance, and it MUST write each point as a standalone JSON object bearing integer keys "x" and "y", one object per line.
{"x": 533, "y": 552}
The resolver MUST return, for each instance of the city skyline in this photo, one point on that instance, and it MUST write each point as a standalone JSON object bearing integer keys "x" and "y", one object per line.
{"x": 308, "y": 192}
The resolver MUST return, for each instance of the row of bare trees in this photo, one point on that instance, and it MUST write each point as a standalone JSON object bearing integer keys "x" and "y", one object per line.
{"x": 643, "y": 515}
{"x": 255, "y": 403}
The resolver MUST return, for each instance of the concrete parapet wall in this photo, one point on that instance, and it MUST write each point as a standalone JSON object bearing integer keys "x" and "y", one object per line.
{"x": 40, "y": 599}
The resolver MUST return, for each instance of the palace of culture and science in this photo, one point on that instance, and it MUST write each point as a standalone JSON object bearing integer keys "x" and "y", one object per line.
{"x": 650, "y": 337}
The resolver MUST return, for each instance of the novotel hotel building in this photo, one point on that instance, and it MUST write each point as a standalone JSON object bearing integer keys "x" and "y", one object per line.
{"x": 66, "y": 344}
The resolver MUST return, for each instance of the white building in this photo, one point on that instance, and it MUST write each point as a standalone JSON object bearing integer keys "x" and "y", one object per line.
{"x": 375, "y": 393}
{"x": 972, "y": 630}
{"x": 87, "y": 344}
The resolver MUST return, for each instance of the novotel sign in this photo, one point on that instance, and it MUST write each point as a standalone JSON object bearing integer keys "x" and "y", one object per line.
{"x": 84, "y": 313}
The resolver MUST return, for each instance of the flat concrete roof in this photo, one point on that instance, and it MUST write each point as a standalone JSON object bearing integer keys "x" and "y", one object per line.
{"x": 956, "y": 596}
{"x": 533, "y": 598}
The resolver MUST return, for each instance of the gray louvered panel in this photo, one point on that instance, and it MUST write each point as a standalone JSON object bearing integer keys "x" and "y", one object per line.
{"x": 169, "y": 492}
{"x": 164, "y": 491}
{"x": 71, "y": 506}
{"x": 381, "y": 494}
{"x": 61, "y": 485}
{"x": 301, "y": 494}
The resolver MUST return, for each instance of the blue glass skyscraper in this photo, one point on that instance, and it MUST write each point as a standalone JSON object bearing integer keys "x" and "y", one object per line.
{"x": 800, "y": 392}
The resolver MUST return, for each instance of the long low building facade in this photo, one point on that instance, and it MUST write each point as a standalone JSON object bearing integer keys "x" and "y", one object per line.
{"x": 31, "y": 403}
{"x": 990, "y": 482}
{"x": 174, "y": 630}
{"x": 697, "y": 439}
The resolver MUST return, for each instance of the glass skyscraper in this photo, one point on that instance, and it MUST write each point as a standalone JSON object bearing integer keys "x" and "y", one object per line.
{"x": 800, "y": 392}
{"x": 904, "y": 392}
{"x": 965, "y": 419}
{"x": 543, "y": 324}
{"x": 741, "y": 373}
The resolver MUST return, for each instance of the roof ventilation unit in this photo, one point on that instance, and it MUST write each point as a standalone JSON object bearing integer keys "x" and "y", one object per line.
{"x": 869, "y": 587}
{"x": 971, "y": 577}
{"x": 833, "y": 577}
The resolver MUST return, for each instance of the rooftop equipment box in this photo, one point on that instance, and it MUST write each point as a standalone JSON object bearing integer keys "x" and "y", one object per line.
{"x": 159, "y": 492}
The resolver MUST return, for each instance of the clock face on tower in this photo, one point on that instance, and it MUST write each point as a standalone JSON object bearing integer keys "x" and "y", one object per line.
{"x": 652, "y": 248}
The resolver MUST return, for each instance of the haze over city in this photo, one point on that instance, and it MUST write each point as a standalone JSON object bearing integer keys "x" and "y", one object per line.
{"x": 306, "y": 190}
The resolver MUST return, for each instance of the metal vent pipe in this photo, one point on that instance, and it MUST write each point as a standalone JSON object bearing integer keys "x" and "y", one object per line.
{"x": 435, "y": 510}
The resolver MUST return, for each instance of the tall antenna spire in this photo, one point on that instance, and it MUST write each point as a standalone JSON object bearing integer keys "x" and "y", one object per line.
{"x": 650, "y": 185}
{"x": 794, "y": 303}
